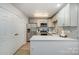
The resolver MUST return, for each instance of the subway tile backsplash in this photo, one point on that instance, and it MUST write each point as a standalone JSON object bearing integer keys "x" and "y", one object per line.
{"x": 73, "y": 31}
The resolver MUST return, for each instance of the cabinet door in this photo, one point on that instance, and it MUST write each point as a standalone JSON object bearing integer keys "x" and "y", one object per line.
{"x": 78, "y": 23}
{"x": 67, "y": 15}
{"x": 60, "y": 18}
{"x": 73, "y": 14}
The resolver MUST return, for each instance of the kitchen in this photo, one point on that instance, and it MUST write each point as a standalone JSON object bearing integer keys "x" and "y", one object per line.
{"x": 65, "y": 20}
{"x": 58, "y": 34}
{"x": 48, "y": 28}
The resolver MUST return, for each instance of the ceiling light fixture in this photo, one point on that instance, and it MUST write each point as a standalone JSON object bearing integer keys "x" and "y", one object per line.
{"x": 41, "y": 15}
{"x": 58, "y": 5}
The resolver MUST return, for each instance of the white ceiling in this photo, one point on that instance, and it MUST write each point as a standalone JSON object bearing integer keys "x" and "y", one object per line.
{"x": 31, "y": 8}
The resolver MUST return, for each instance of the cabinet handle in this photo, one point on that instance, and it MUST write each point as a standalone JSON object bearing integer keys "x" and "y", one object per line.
{"x": 16, "y": 34}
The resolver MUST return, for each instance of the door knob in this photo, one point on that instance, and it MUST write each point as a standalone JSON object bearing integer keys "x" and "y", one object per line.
{"x": 16, "y": 34}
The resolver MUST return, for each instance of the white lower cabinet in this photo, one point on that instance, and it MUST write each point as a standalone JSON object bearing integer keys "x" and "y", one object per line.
{"x": 54, "y": 47}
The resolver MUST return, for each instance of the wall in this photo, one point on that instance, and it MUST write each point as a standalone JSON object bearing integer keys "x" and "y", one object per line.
{"x": 12, "y": 29}
{"x": 73, "y": 31}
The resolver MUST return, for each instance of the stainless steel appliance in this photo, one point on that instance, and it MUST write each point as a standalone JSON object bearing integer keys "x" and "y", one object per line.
{"x": 43, "y": 29}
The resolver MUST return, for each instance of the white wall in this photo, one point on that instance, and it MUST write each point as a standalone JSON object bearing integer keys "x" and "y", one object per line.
{"x": 12, "y": 21}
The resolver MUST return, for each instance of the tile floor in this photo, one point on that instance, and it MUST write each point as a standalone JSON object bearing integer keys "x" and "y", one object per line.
{"x": 24, "y": 50}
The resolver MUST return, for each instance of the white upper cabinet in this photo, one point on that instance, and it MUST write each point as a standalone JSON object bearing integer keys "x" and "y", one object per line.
{"x": 67, "y": 16}
{"x": 60, "y": 17}
{"x": 73, "y": 14}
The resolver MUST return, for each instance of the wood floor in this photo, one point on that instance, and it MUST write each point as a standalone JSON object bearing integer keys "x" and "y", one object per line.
{"x": 24, "y": 50}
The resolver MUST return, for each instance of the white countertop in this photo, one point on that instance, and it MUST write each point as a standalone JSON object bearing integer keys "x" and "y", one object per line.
{"x": 55, "y": 37}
